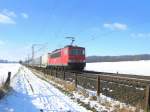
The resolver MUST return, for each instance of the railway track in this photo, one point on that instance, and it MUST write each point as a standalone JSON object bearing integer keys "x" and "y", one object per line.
{"x": 95, "y": 73}
{"x": 115, "y": 77}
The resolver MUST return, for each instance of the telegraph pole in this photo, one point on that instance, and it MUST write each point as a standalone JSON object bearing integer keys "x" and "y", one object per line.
{"x": 33, "y": 54}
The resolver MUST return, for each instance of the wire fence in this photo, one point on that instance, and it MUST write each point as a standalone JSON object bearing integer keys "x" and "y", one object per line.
{"x": 124, "y": 89}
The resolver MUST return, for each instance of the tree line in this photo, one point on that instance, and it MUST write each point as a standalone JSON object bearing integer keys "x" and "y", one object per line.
{"x": 90, "y": 59}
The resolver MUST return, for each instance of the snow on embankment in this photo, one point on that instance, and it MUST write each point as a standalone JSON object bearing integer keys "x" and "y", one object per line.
{"x": 32, "y": 94}
{"x": 5, "y": 68}
{"x": 127, "y": 67}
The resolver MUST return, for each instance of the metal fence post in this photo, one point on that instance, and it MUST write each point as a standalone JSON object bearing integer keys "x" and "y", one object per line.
{"x": 56, "y": 73}
{"x": 64, "y": 75}
{"x": 76, "y": 81}
{"x": 98, "y": 85}
{"x": 44, "y": 71}
{"x": 147, "y": 98}
{"x": 51, "y": 72}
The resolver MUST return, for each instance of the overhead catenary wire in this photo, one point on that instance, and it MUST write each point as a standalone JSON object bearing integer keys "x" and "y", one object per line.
{"x": 108, "y": 33}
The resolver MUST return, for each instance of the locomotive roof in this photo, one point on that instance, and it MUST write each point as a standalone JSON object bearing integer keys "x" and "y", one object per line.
{"x": 66, "y": 47}
{"x": 73, "y": 46}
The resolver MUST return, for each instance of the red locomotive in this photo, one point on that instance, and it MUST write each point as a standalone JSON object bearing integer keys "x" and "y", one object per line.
{"x": 70, "y": 57}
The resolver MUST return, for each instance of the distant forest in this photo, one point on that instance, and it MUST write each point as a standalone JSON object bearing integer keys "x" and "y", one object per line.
{"x": 3, "y": 61}
{"x": 90, "y": 59}
{"x": 6, "y": 61}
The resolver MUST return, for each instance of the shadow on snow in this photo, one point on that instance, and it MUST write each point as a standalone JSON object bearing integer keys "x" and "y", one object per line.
{"x": 17, "y": 102}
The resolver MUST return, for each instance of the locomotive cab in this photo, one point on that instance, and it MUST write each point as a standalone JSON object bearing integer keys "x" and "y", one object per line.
{"x": 76, "y": 57}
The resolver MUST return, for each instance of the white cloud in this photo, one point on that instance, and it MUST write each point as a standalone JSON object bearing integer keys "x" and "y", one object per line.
{"x": 1, "y": 42}
{"x": 141, "y": 35}
{"x": 9, "y": 13}
{"x": 24, "y": 15}
{"x": 115, "y": 26}
{"x": 5, "y": 19}
{"x": 6, "y": 16}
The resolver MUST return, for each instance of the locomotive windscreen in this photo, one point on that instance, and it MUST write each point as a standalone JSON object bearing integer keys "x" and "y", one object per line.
{"x": 77, "y": 52}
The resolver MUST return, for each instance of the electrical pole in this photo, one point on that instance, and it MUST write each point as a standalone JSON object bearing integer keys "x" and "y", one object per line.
{"x": 33, "y": 50}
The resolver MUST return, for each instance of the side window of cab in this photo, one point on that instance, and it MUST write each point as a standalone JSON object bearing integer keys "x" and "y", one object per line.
{"x": 65, "y": 51}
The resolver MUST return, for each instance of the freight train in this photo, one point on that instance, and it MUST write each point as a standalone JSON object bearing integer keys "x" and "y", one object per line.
{"x": 69, "y": 57}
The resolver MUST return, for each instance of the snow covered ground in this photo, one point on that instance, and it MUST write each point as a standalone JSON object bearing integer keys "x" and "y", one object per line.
{"x": 31, "y": 94}
{"x": 127, "y": 67}
{"x": 5, "y": 68}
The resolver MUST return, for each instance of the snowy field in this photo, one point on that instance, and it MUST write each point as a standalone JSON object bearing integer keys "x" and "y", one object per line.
{"x": 31, "y": 94}
{"x": 127, "y": 67}
{"x": 5, "y": 68}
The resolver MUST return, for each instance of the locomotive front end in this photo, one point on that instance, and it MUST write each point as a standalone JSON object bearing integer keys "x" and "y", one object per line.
{"x": 76, "y": 58}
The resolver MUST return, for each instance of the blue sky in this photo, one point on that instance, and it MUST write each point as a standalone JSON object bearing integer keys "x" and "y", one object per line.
{"x": 103, "y": 27}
